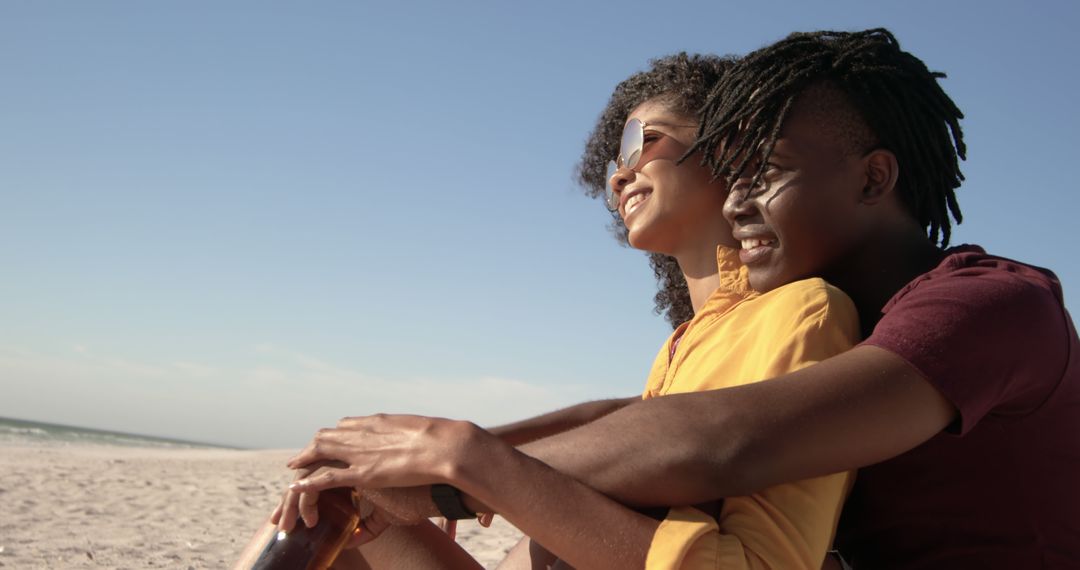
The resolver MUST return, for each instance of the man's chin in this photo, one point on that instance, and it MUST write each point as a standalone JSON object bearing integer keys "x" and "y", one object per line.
{"x": 763, "y": 282}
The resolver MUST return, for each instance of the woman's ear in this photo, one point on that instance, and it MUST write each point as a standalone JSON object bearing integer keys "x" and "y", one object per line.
{"x": 882, "y": 171}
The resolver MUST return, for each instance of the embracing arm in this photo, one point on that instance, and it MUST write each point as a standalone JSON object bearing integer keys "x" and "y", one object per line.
{"x": 852, "y": 410}
{"x": 858, "y": 408}
{"x": 552, "y": 423}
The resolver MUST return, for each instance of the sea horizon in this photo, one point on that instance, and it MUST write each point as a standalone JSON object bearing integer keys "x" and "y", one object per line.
{"x": 18, "y": 431}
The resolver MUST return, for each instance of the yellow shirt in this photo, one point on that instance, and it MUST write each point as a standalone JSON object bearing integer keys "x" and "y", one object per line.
{"x": 740, "y": 336}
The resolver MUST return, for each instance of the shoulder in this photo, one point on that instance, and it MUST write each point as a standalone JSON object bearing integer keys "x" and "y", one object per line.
{"x": 990, "y": 333}
{"x": 977, "y": 280}
{"x": 974, "y": 293}
{"x": 808, "y": 311}
{"x": 812, "y": 298}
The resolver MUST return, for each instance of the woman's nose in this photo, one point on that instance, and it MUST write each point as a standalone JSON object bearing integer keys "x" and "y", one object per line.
{"x": 620, "y": 180}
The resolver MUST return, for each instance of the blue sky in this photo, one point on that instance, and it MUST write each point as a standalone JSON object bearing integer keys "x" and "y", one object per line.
{"x": 237, "y": 221}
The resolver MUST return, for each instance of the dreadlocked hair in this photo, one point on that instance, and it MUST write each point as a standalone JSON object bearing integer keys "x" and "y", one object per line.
{"x": 894, "y": 93}
{"x": 682, "y": 82}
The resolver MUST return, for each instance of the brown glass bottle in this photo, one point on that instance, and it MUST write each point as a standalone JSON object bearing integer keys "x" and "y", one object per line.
{"x": 306, "y": 548}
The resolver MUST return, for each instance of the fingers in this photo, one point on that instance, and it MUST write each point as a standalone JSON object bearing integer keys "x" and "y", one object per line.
{"x": 325, "y": 446}
{"x": 284, "y": 516}
{"x": 356, "y": 421}
{"x": 309, "y": 508}
{"x": 297, "y": 502}
{"x": 326, "y": 478}
{"x": 485, "y": 519}
{"x": 371, "y": 422}
{"x": 289, "y": 509}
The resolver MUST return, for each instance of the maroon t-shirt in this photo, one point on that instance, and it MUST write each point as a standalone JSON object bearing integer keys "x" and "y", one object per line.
{"x": 1001, "y": 487}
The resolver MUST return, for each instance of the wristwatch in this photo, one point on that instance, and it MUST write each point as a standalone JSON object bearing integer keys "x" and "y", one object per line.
{"x": 448, "y": 499}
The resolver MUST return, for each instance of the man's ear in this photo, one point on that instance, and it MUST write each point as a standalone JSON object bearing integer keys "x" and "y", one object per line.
{"x": 882, "y": 171}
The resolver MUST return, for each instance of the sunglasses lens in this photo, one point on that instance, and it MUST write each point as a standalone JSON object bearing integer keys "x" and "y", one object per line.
{"x": 610, "y": 197}
{"x": 632, "y": 138}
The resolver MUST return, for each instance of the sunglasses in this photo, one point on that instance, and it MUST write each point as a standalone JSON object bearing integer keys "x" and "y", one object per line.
{"x": 632, "y": 153}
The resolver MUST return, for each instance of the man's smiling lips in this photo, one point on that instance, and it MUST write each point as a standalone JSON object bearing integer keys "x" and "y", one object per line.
{"x": 755, "y": 247}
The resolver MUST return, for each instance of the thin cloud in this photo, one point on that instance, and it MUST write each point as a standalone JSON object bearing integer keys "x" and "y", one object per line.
{"x": 269, "y": 397}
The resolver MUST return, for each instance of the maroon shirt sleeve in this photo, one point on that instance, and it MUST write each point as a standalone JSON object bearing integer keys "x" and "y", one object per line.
{"x": 990, "y": 334}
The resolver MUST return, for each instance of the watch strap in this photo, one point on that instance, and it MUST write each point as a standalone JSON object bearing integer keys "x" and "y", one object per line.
{"x": 448, "y": 499}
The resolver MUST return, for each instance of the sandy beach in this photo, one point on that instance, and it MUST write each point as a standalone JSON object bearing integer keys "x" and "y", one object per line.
{"x": 125, "y": 507}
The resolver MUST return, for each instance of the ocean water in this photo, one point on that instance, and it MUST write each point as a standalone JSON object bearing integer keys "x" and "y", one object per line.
{"x": 25, "y": 432}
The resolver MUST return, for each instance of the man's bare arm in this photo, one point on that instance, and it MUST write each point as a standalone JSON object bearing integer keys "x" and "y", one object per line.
{"x": 559, "y": 421}
{"x": 852, "y": 410}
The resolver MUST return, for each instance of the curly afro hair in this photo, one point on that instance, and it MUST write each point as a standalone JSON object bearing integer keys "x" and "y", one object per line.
{"x": 683, "y": 82}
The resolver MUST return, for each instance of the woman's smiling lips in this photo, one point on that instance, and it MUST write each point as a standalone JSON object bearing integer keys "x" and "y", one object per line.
{"x": 634, "y": 200}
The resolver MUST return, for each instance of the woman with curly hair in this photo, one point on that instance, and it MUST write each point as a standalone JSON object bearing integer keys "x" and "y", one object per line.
{"x": 665, "y": 201}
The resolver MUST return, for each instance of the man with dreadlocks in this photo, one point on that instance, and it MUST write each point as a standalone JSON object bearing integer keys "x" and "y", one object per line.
{"x": 845, "y": 150}
{"x": 962, "y": 405}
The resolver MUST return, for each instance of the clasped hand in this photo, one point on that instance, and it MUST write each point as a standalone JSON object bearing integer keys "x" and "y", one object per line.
{"x": 390, "y": 459}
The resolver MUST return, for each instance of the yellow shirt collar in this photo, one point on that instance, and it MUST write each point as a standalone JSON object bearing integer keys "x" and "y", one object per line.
{"x": 734, "y": 278}
{"x": 733, "y": 289}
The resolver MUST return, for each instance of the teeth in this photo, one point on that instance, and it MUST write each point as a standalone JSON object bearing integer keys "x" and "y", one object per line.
{"x": 752, "y": 243}
{"x": 634, "y": 201}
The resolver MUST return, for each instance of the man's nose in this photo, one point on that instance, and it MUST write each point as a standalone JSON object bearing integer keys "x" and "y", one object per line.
{"x": 738, "y": 202}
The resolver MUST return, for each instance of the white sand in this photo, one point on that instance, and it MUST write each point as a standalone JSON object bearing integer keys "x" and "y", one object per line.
{"x": 117, "y": 507}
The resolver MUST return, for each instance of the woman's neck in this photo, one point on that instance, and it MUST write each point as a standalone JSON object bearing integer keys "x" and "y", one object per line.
{"x": 701, "y": 273}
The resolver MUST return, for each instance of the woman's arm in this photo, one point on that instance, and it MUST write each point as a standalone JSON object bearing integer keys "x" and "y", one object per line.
{"x": 581, "y": 526}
